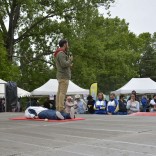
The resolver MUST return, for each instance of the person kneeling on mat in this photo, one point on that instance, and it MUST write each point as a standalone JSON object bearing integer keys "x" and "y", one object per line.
{"x": 44, "y": 113}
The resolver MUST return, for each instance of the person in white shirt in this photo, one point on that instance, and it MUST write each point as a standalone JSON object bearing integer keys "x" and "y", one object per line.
{"x": 69, "y": 104}
{"x": 153, "y": 104}
{"x": 44, "y": 113}
{"x": 133, "y": 106}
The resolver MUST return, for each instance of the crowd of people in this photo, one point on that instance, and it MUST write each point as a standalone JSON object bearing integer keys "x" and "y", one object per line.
{"x": 64, "y": 107}
{"x": 64, "y": 63}
{"x": 122, "y": 106}
{"x": 17, "y": 108}
{"x": 111, "y": 107}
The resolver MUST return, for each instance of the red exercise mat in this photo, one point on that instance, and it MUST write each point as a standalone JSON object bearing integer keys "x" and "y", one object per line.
{"x": 24, "y": 118}
{"x": 144, "y": 114}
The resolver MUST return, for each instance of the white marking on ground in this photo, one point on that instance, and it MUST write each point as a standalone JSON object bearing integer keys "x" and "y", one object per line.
{"x": 45, "y": 147}
{"x": 62, "y": 148}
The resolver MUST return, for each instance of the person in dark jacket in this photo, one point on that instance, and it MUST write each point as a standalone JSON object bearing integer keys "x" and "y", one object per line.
{"x": 136, "y": 97}
{"x": 1, "y": 106}
{"x": 46, "y": 104}
{"x": 122, "y": 106}
{"x": 90, "y": 104}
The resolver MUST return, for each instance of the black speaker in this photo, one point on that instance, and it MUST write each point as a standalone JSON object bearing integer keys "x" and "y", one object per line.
{"x": 11, "y": 96}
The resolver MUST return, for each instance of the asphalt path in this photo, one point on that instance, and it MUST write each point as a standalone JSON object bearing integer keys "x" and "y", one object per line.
{"x": 97, "y": 135}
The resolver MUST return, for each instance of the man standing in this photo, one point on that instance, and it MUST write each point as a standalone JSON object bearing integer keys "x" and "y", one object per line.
{"x": 63, "y": 65}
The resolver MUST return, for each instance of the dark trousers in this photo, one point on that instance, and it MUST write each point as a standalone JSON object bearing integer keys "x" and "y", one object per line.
{"x": 144, "y": 108}
{"x": 65, "y": 115}
{"x": 100, "y": 112}
{"x": 121, "y": 113}
{"x": 48, "y": 114}
{"x": 51, "y": 115}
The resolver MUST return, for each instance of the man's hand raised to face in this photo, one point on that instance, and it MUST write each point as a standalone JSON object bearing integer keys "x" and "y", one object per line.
{"x": 71, "y": 58}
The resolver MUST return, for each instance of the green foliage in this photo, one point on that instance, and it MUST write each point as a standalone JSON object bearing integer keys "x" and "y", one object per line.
{"x": 9, "y": 71}
{"x": 34, "y": 71}
{"x": 148, "y": 57}
{"x": 34, "y": 30}
{"x": 104, "y": 49}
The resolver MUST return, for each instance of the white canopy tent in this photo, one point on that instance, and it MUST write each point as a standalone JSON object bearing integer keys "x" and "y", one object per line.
{"x": 51, "y": 87}
{"x": 20, "y": 92}
{"x": 140, "y": 85}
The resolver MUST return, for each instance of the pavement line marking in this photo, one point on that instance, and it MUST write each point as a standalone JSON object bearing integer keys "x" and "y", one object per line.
{"x": 60, "y": 149}
{"x": 106, "y": 118}
{"x": 117, "y": 149}
{"x": 46, "y": 147}
{"x": 35, "y": 137}
{"x": 131, "y": 143}
{"x": 12, "y": 150}
{"x": 106, "y": 130}
{"x": 30, "y": 144}
{"x": 108, "y": 140}
{"x": 119, "y": 120}
{"x": 55, "y": 124}
{"x": 124, "y": 124}
{"x": 141, "y": 131}
{"x": 110, "y": 130}
{"x": 69, "y": 151}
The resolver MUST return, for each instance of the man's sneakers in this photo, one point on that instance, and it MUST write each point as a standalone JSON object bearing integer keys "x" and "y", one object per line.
{"x": 72, "y": 113}
{"x": 59, "y": 115}
{"x": 64, "y": 115}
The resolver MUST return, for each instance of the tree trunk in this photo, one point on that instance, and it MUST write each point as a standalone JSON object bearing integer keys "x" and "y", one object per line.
{"x": 13, "y": 18}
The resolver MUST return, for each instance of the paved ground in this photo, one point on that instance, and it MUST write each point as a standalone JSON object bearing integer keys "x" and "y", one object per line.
{"x": 96, "y": 136}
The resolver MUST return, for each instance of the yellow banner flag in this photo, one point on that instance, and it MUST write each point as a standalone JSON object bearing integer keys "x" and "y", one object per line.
{"x": 93, "y": 90}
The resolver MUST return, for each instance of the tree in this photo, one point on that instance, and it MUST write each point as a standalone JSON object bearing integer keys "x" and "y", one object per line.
{"x": 148, "y": 57}
{"x": 104, "y": 50}
{"x": 9, "y": 71}
{"x": 26, "y": 16}
{"x": 34, "y": 28}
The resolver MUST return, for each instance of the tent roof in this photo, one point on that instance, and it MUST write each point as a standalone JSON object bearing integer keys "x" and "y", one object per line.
{"x": 20, "y": 92}
{"x": 140, "y": 85}
{"x": 51, "y": 87}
